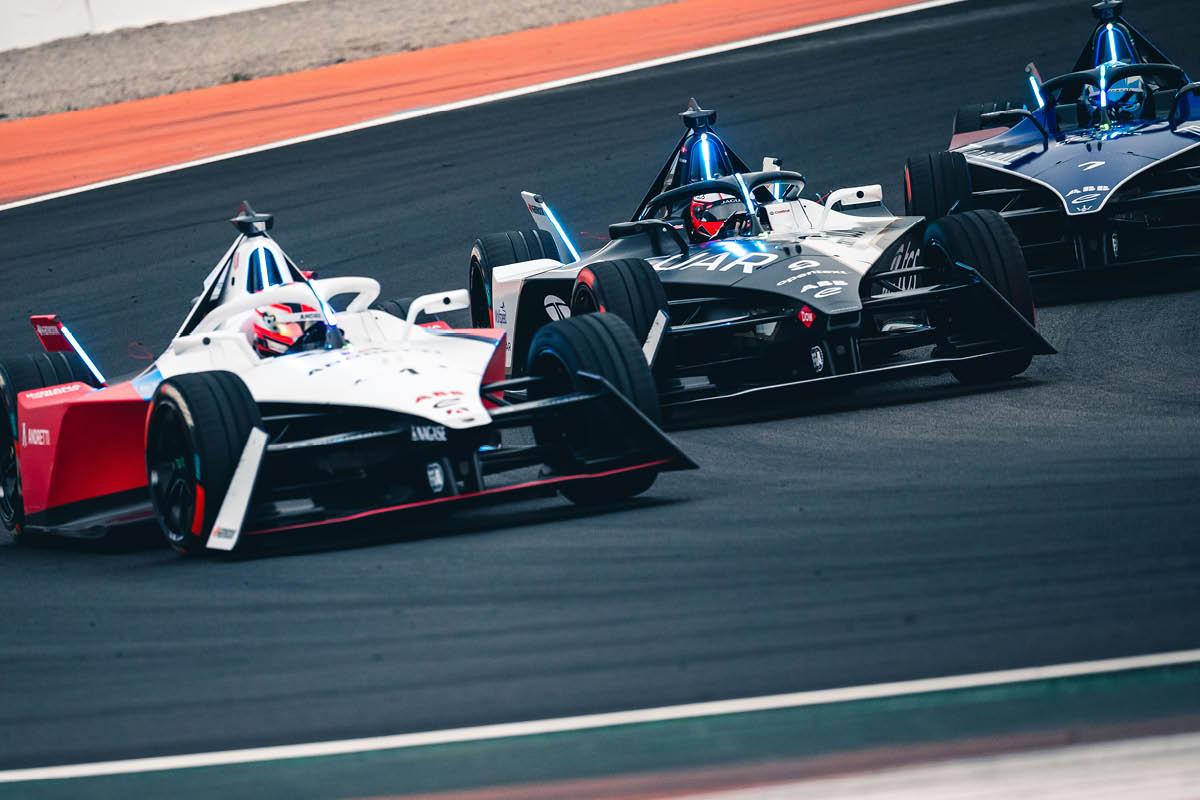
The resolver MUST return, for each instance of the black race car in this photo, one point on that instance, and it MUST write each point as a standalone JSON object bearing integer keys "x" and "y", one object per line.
{"x": 736, "y": 282}
{"x": 1095, "y": 169}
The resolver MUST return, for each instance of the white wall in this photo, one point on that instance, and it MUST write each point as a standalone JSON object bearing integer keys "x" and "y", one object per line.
{"x": 24, "y": 23}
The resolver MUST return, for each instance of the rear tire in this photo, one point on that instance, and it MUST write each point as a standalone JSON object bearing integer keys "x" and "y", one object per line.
{"x": 498, "y": 250}
{"x": 603, "y": 345}
{"x": 983, "y": 240}
{"x": 628, "y": 288}
{"x": 397, "y": 308}
{"x": 936, "y": 184}
{"x": 198, "y": 428}
{"x": 969, "y": 118}
{"x": 21, "y": 374}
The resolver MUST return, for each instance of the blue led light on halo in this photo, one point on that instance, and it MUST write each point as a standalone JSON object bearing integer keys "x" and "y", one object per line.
{"x": 705, "y": 156}
{"x": 1037, "y": 92}
{"x": 1112, "y": 43}
{"x": 1103, "y": 86}
{"x": 745, "y": 192}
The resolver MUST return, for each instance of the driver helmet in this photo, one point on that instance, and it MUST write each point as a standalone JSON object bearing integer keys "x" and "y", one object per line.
{"x": 1125, "y": 98}
{"x": 707, "y": 214}
{"x": 283, "y": 328}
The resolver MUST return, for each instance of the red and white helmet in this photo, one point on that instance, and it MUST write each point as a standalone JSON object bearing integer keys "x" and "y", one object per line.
{"x": 284, "y": 327}
{"x": 707, "y": 214}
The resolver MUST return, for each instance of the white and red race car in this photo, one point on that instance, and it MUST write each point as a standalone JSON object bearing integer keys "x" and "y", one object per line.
{"x": 270, "y": 411}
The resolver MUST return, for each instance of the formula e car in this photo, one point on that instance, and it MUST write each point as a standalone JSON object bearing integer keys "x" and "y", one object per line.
{"x": 1097, "y": 169}
{"x": 270, "y": 411}
{"x": 735, "y": 282}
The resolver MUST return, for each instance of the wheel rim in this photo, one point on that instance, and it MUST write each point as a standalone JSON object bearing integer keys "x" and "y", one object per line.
{"x": 584, "y": 300}
{"x": 170, "y": 457}
{"x": 10, "y": 486}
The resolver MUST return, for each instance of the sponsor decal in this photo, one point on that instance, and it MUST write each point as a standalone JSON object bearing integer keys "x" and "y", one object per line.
{"x": 714, "y": 262}
{"x": 823, "y": 288}
{"x": 438, "y": 396}
{"x": 556, "y": 308}
{"x": 818, "y": 359}
{"x": 536, "y": 210}
{"x": 429, "y": 433}
{"x": 1084, "y": 198}
{"x": 34, "y": 437}
{"x": 807, "y": 266}
{"x": 1088, "y": 166}
{"x": 47, "y": 330}
{"x": 336, "y": 358}
{"x": 451, "y": 402}
{"x": 807, "y": 317}
{"x": 42, "y": 394}
{"x": 906, "y": 257}
{"x": 224, "y": 533}
{"x": 1000, "y": 157}
{"x": 436, "y": 478}
{"x": 501, "y": 314}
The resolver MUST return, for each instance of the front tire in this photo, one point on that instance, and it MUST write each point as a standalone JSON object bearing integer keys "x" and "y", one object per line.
{"x": 627, "y": 287}
{"x": 498, "y": 250}
{"x": 983, "y": 240}
{"x": 936, "y": 184}
{"x": 199, "y": 424}
{"x": 603, "y": 345}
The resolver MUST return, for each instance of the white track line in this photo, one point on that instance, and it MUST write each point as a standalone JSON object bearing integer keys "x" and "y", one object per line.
{"x": 807, "y": 30}
{"x": 592, "y": 721}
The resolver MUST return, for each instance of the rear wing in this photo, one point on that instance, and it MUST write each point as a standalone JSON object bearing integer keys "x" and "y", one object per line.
{"x": 57, "y": 338}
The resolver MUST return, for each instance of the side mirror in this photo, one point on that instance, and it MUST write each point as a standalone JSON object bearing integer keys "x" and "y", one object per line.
{"x": 849, "y": 198}
{"x": 437, "y": 303}
{"x": 1188, "y": 89}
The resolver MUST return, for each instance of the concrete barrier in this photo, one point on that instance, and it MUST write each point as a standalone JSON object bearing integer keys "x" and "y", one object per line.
{"x": 25, "y": 23}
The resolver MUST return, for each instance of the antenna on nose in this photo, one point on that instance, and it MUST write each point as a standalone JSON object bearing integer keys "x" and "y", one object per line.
{"x": 251, "y": 223}
{"x": 1108, "y": 10}
{"x": 697, "y": 118}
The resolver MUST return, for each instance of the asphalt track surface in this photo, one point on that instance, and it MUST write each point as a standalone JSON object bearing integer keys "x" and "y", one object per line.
{"x": 915, "y": 530}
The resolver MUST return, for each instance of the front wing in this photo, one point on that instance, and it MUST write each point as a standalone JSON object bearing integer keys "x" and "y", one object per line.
{"x": 1008, "y": 332}
{"x": 466, "y": 469}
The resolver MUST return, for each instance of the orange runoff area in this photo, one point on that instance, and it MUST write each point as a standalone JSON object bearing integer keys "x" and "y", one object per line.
{"x": 62, "y": 151}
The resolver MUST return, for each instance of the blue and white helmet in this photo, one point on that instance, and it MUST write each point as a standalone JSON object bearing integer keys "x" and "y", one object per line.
{"x": 1123, "y": 99}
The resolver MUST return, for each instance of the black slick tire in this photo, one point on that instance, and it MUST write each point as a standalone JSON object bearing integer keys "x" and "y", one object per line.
{"x": 601, "y": 344}
{"x": 198, "y": 428}
{"x": 969, "y": 118}
{"x": 397, "y": 308}
{"x": 627, "y": 287}
{"x": 936, "y": 184}
{"x": 984, "y": 241}
{"x": 498, "y": 250}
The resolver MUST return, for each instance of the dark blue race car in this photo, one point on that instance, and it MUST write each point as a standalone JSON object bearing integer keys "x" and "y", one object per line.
{"x": 1099, "y": 168}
